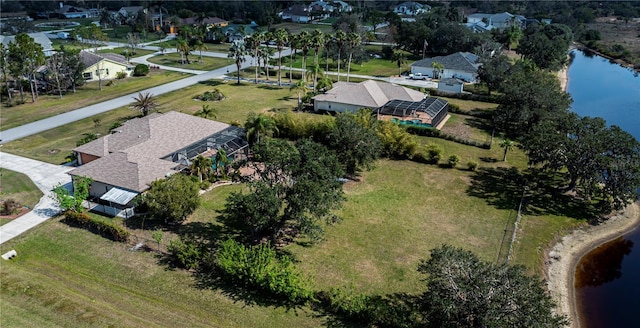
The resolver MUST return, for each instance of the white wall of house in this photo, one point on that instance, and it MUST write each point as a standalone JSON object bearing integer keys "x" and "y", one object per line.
{"x": 450, "y": 87}
{"x": 335, "y": 107}
{"x": 300, "y": 19}
{"x": 452, "y": 73}
{"x": 107, "y": 69}
{"x": 98, "y": 189}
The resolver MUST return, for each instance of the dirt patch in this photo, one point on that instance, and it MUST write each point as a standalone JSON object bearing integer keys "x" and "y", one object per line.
{"x": 614, "y": 31}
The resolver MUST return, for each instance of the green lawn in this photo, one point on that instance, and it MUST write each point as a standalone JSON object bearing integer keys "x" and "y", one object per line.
{"x": 68, "y": 277}
{"x": 54, "y": 145}
{"x": 18, "y": 187}
{"x": 70, "y": 44}
{"x": 372, "y": 67}
{"x": 204, "y": 64}
{"x": 89, "y": 94}
{"x": 296, "y": 28}
{"x": 127, "y": 51}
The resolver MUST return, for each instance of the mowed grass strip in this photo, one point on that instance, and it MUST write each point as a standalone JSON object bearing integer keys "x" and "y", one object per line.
{"x": 69, "y": 277}
{"x": 126, "y": 51}
{"x": 203, "y": 63}
{"x": 53, "y": 146}
{"x": 89, "y": 94}
{"x": 17, "y": 186}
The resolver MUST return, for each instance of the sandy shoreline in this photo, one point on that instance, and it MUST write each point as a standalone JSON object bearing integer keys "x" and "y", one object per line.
{"x": 563, "y": 76}
{"x": 564, "y": 256}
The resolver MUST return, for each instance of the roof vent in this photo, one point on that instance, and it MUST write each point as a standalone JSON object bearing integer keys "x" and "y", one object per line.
{"x": 139, "y": 136}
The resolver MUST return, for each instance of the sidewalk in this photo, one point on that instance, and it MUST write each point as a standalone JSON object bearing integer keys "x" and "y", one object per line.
{"x": 45, "y": 176}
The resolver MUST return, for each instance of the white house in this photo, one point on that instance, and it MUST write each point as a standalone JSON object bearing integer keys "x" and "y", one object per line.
{"x": 297, "y": 14}
{"x": 411, "y": 8}
{"x": 131, "y": 11}
{"x": 459, "y": 65}
{"x": 349, "y": 96}
{"x": 481, "y": 21}
{"x": 103, "y": 66}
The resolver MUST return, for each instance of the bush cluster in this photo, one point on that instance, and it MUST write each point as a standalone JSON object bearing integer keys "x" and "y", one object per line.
{"x": 214, "y": 95}
{"x": 187, "y": 252}
{"x": 9, "y": 206}
{"x": 259, "y": 267}
{"x": 121, "y": 75}
{"x": 294, "y": 127}
{"x": 105, "y": 229}
{"x": 141, "y": 70}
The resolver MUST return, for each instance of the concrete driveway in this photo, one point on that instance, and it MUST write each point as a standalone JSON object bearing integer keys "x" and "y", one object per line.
{"x": 45, "y": 176}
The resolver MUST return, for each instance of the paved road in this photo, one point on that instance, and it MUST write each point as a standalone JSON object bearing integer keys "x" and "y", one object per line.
{"x": 46, "y": 176}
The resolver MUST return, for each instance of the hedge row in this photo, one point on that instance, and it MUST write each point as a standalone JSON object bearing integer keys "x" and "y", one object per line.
{"x": 435, "y": 133}
{"x": 105, "y": 229}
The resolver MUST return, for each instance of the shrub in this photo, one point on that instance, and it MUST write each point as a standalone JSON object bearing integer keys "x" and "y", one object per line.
{"x": 121, "y": 75}
{"x": 472, "y": 165}
{"x": 87, "y": 137}
{"x": 105, "y": 229}
{"x": 259, "y": 267}
{"x": 434, "y": 153}
{"x": 453, "y": 160}
{"x": 187, "y": 252}
{"x": 214, "y": 95}
{"x": 9, "y": 207}
{"x": 141, "y": 70}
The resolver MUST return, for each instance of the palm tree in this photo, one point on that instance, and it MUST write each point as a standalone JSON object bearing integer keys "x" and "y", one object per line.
{"x": 237, "y": 52}
{"x": 399, "y": 58}
{"x": 221, "y": 160}
{"x": 254, "y": 42}
{"x": 281, "y": 37}
{"x": 313, "y": 73}
{"x": 317, "y": 41}
{"x": 294, "y": 45}
{"x": 207, "y": 111}
{"x": 265, "y": 54}
{"x": 305, "y": 44}
{"x": 183, "y": 48}
{"x": 341, "y": 38}
{"x": 324, "y": 83}
{"x": 302, "y": 89}
{"x": 200, "y": 46}
{"x": 145, "y": 103}
{"x": 257, "y": 125}
{"x": 513, "y": 35}
{"x": 201, "y": 166}
{"x": 353, "y": 41}
{"x": 437, "y": 69}
{"x": 507, "y": 144}
{"x": 329, "y": 40}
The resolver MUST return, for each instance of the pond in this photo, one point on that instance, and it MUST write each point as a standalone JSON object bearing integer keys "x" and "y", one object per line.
{"x": 607, "y": 280}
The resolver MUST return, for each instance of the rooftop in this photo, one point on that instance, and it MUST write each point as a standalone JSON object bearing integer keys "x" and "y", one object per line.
{"x": 370, "y": 93}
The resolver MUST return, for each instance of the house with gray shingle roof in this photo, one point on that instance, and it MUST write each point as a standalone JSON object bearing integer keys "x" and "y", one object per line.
{"x": 459, "y": 65}
{"x": 349, "y": 96}
{"x": 38, "y": 37}
{"x": 411, "y": 8}
{"x": 124, "y": 163}
{"x": 104, "y": 66}
{"x": 487, "y": 22}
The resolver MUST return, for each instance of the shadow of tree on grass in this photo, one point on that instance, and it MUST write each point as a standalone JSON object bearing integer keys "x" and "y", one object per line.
{"x": 504, "y": 187}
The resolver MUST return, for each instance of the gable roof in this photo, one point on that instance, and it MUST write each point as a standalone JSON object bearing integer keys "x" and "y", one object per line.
{"x": 131, "y": 158}
{"x": 370, "y": 93}
{"x": 131, "y": 10}
{"x": 460, "y": 61}
{"x": 297, "y": 10}
{"x": 206, "y": 21}
{"x": 89, "y": 58}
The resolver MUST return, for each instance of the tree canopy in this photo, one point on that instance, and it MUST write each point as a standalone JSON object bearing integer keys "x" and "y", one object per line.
{"x": 173, "y": 199}
{"x": 547, "y": 45}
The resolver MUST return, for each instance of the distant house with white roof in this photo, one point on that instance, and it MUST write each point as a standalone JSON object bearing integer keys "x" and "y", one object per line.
{"x": 349, "y": 96}
{"x": 38, "y": 37}
{"x": 411, "y": 8}
{"x": 487, "y": 22}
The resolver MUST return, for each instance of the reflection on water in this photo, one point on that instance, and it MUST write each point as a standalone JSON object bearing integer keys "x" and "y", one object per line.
{"x": 603, "y": 264}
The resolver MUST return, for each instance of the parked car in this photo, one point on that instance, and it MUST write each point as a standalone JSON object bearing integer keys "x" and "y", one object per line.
{"x": 417, "y": 76}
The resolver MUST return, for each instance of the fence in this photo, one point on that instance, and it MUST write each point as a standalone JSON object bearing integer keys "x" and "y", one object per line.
{"x": 510, "y": 231}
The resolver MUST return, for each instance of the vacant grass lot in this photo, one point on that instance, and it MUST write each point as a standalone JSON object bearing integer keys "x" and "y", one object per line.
{"x": 19, "y": 187}
{"x": 204, "y": 64}
{"x": 89, "y": 94}
{"x": 372, "y": 67}
{"x": 295, "y": 28}
{"x": 68, "y": 277}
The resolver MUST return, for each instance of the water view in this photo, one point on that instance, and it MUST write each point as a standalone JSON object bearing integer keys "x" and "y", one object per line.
{"x": 608, "y": 278}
